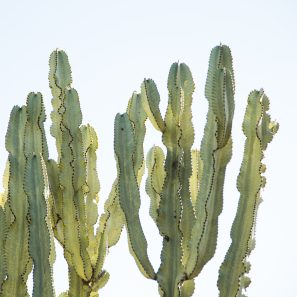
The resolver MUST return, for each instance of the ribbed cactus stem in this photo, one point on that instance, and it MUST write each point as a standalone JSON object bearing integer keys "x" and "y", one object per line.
{"x": 74, "y": 185}
{"x": 259, "y": 131}
{"x": 41, "y": 245}
{"x": 215, "y": 153}
{"x": 16, "y": 243}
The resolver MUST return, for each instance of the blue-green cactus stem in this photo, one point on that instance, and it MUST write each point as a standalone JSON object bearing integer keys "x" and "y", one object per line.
{"x": 41, "y": 245}
{"x": 125, "y": 147}
{"x": 173, "y": 202}
{"x": 16, "y": 243}
{"x": 215, "y": 152}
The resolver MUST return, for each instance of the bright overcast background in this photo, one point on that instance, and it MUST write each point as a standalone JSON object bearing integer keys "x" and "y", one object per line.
{"x": 112, "y": 46}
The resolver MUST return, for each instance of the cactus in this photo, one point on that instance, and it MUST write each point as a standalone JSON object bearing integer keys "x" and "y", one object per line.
{"x": 74, "y": 186}
{"x": 259, "y": 131}
{"x": 186, "y": 186}
{"x": 44, "y": 198}
{"x": 29, "y": 219}
{"x": 24, "y": 222}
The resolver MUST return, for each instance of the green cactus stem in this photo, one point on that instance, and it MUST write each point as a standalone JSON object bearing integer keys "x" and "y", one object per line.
{"x": 16, "y": 210}
{"x": 74, "y": 185}
{"x": 41, "y": 246}
{"x": 259, "y": 131}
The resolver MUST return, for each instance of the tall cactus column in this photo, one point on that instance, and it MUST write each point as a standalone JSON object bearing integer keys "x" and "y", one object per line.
{"x": 16, "y": 210}
{"x": 259, "y": 131}
{"x": 215, "y": 154}
{"x": 74, "y": 185}
{"x": 27, "y": 234}
{"x": 41, "y": 245}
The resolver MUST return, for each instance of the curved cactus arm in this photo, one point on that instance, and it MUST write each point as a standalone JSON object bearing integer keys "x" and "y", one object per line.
{"x": 3, "y": 233}
{"x": 116, "y": 218}
{"x": 259, "y": 131}
{"x": 101, "y": 247}
{"x": 129, "y": 196}
{"x": 155, "y": 178}
{"x": 150, "y": 101}
{"x": 90, "y": 144}
{"x": 101, "y": 282}
{"x": 188, "y": 288}
{"x": 16, "y": 243}
{"x": 137, "y": 117}
{"x": 216, "y": 150}
{"x": 39, "y": 237}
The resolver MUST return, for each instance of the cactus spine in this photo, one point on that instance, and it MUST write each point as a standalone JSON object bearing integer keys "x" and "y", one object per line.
{"x": 186, "y": 186}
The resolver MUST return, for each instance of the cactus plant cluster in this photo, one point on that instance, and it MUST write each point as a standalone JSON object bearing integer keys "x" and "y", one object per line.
{"x": 46, "y": 199}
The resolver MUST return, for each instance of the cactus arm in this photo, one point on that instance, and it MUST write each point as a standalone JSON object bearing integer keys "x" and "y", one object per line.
{"x": 35, "y": 149}
{"x": 216, "y": 149}
{"x": 186, "y": 142}
{"x": 169, "y": 214}
{"x": 101, "y": 282}
{"x": 35, "y": 140}
{"x": 16, "y": 243}
{"x": 90, "y": 143}
{"x": 155, "y": 180}
{"x": 59, "y": 80}
{"x": 101, "y": 247}
{"x": 188, "y": 288}
{"x": 3, "y": 234}
{"x": 259, "y": 131}
{"x": 170, "y": 273}
{"x": 129, "y": 196}
{"x": 39, "y": 244}
{"x": 176, "y": 213}
{"x": 116, "y": 217}
{"x": 72, "y": 179}
{"x": 150, "y": 100}
{"x": 55, "y": 200}
{"x": 137, "y": 117}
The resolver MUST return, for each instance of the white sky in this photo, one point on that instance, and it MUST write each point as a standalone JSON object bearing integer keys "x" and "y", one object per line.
{"x": 112, "y": 46}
